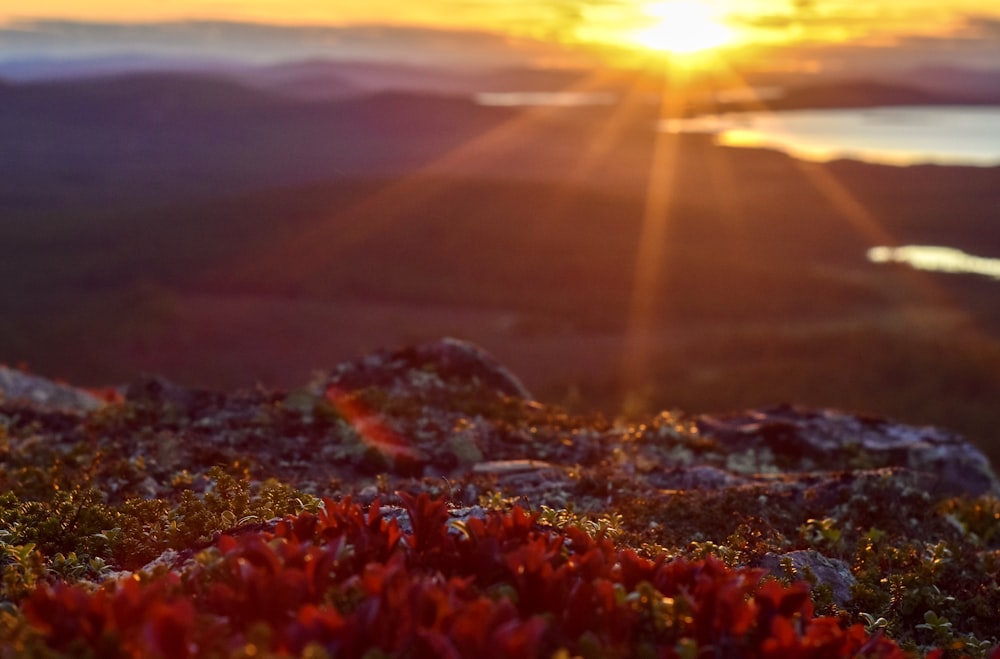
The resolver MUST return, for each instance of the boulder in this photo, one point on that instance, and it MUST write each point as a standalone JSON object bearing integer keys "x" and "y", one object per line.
{"x": 158, "y": 392}
{"x": 44, "y": 394}
{"x": 444, "y": 363}
{"x": 806, "y": 439}
{"x": 813, "y": 566}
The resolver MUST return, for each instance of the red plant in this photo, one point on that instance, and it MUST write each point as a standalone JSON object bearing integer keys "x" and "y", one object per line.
{"x": 351, "y": 581}
{"x": 131, "y": 620}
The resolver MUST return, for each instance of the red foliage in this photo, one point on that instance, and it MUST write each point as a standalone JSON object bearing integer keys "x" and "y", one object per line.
{"x": 130, "y": 620}
{"x": 351, "y": 581}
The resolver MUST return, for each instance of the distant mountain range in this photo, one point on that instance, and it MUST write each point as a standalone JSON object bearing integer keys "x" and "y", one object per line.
{"x": 174, "y": 135}
{"x": 303, "y": 79}
{"x": 866, "y": 93}
{"x": 325, "y": 79}
{"x": 974, "y": 83}
{"x": 221, "y": 129}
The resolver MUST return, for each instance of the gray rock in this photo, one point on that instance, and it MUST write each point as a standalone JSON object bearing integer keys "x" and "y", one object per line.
{"x": 446, "y": 362}
{"x": 158, "y": 392}
{"x": 838, "y": 440}
{"x": 698, "y": 477}
{"x": 44, "y": 394}
{"x": 827, "y": 571}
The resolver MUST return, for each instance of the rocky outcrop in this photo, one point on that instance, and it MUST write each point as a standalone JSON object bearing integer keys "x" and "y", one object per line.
{"x": 831, "y": 497}
{"x": 449, "y": 365}
{"x": 43, "y": 394}
{"x": 448, "y": 408}
{"x": 828, "y": 439}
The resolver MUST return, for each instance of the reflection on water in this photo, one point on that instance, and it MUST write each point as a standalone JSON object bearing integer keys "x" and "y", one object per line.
{"x": 583, "y": 99}
{"x": 551, "y": 99}
{"x": 749, "y": 94}
{"x": 940, "y": 259}
{"x": 945, "y": 135}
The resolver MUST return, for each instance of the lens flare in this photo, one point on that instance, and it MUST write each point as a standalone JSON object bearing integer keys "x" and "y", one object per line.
{"x": 682, "y": 27}
{"x": 371, "y": 428}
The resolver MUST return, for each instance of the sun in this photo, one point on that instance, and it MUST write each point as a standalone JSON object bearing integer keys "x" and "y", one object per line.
{"x": 682, "y": 27}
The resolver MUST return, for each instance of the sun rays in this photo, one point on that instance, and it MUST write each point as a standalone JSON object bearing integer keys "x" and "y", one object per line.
{"x": 654, "y": 237}
{"x": 482, "y": 156}
{"x": 649, "y": 319}
{"x": 646, "y": 318}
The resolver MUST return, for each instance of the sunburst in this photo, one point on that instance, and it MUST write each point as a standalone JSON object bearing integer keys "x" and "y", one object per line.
{"x": 682, "y": 27}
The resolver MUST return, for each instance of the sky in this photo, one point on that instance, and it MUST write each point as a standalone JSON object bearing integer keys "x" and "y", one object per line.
{"x": 545, "y": 32}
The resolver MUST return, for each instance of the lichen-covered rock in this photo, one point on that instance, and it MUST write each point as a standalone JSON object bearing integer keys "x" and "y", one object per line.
{"x": 44, "y": 394}
{"x": 697, "y": 477}
{"x": 445, "y": 363}
{"x": 816, "y": 568}
{"x": 159, "y": 392}
{"x": 804, "y": 439}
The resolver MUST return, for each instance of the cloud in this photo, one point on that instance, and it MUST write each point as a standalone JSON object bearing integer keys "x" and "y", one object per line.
{"x": 267, "y": 43}
{"x": 976, "y": 42}
{"x": 815, "y": 24}
{"x": 904, "y": 53}
{"x": 982, "y": 27}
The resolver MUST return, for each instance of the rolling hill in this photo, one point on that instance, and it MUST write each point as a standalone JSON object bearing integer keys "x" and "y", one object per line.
{"x": 221, "y": 235}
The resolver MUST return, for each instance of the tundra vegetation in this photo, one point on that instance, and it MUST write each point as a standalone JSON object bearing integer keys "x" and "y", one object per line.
{"x": 416, "y": 504}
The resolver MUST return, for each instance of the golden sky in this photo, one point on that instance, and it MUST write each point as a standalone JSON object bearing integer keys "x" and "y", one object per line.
{"x": 546, "y": 28}
{"x": 565, "y": 20}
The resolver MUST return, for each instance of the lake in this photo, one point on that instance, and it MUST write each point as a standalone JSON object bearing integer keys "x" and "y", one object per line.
{"x": 545, "y": 99}
{"x": 937, "y": 259}
{"x": 909, "y": 135}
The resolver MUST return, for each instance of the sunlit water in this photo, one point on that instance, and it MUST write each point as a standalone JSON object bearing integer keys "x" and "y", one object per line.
{"x": 545, "y": 99}
{"x": 527, "y": 99}
{"x": 944, "y": 135}
{"x": 939, "y": 259}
